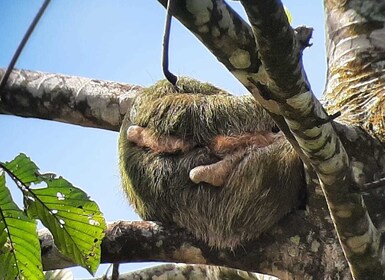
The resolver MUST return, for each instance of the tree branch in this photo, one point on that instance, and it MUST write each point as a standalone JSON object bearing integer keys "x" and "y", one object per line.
{"x": 306, "y": 118}
{"x": 279, "y": 83}
{"x": 284, "y": 251}
{"x": 68, "y": 99}
{"x": 356, "y": 55}
{"x": 186, "y": 271}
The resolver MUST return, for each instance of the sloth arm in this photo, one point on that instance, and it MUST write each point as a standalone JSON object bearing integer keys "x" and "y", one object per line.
{"x": 144, "y": 137}
{"x": 230, "y": 148}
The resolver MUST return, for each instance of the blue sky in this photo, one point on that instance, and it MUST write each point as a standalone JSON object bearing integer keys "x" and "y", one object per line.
{"x": 119, "y": 41}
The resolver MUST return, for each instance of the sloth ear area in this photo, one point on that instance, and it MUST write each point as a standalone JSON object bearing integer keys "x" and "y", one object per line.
{"x": 146, "y": 138}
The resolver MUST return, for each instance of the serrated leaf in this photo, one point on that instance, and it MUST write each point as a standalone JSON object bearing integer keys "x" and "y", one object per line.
{"x": 24, "y": 169}
{"x": 20, "y": 251}
{"x": 75, "y": 221}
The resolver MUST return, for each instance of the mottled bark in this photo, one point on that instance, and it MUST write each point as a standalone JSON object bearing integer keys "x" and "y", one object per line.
{"x": 75, "y": 100}
{"x": 356, "y": 58}
{"x": 281, "y": 86}
{"x": 185, "y": 271}
{"x": 359, "y": 238}
{"x": 355, "y": 85}
{"x": 286, "y": 251}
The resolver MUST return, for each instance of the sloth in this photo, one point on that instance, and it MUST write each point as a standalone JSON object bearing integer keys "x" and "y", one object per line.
{"x": 214, "y": 164}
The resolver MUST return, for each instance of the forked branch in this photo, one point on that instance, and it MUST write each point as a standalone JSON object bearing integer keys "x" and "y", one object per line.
{"x": 281, "y": 57}
{"x": 278, "y": 82}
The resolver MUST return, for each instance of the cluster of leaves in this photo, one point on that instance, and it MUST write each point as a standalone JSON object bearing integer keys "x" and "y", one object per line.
{"x": 74, "y": 220}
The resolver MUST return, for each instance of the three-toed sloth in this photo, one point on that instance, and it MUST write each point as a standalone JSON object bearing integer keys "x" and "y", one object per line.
{"x": 204, "y": 160}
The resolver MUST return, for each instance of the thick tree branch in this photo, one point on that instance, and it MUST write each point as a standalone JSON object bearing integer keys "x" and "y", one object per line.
{"x": 69, "y": 99}
{"x": 309, "y": 123}
{"x": 278, "y": 48}
{"x": 290, "y": 91}
{"x": 282, "y": 88}
{"x": 356, "y": 55}
{"x": 284, "y": 251}
{"x": 222, "y": 31}
{"x": 279, "y": 83}
{"x": 186, "y": 271}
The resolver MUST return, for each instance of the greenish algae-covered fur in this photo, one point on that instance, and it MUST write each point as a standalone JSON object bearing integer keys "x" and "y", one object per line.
{"x": 261, "y": 189}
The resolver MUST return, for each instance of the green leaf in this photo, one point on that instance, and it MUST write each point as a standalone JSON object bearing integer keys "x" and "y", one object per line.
{"x": 20, "y": 248}
{"x": 75, "y": 221}
{"x": 24, "y": 169}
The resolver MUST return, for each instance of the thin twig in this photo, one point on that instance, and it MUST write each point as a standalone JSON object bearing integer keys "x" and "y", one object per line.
{"x": 23, "y": 43}
{"x": 166, "y": 40}
{"x": 375, "y": 184}
{"x": 115, "y": 271}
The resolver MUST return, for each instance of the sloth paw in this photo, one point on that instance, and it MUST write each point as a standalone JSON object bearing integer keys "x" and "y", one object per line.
{"x": 144, "y": 137}
{"x": 216, "y": 174}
